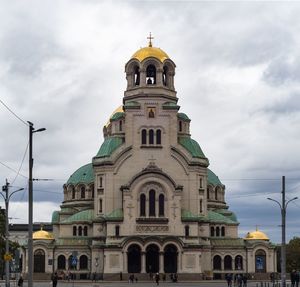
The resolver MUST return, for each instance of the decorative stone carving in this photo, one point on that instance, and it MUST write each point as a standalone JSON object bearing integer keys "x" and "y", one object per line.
{"x": 151, "y": 228}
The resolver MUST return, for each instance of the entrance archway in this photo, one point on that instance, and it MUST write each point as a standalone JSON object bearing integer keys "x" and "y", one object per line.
{"x": 152, "y": 259}
{"x": 39, "y": 261}
{"x": 170, "y": 259}
{"x": 134, "y": 259}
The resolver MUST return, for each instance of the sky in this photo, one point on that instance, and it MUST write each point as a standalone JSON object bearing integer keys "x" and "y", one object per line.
{"x": 237, "y": 78}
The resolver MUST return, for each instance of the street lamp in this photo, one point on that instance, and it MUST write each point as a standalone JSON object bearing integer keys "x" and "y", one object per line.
{"x": 7, "y": 258}
{"x": 283, "y": 206}
{"x": 30, "y": 206}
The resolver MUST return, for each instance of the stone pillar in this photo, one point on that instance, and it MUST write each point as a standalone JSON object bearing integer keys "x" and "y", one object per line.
{"x": 161, "y": 262}
{"x": 159, "y": 73}
{"x": 143, "y": 262}
{"x": 143, "y": 78}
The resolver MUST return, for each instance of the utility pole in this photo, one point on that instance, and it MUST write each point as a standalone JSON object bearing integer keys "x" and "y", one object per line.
{"x": 30, "y": 206}
{"x": 283, "y": 206}
{"x": 7, "y": 257}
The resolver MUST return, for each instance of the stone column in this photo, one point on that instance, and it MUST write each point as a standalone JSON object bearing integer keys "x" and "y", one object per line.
{"x": 159, "y": 73}
{"x": 143, "y": 78}
{"x": 143, "y": 262}
{"x": 161, "y": 262}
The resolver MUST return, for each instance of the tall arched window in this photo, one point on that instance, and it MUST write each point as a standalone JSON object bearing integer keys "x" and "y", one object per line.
{"x": 201, "y": 206}
{"x": 212, "y": 231}
{"x": 39, "y": 261}
{"x": 120, "y": 126}
{"x": 180, "y": 126}
{"x": 61, "y": 262}
{"x": 158, "y": 137}
{"x": 260, "y": 261}
{"x": 161, "y": 205}
{"x": 187, "y": 230}
{"x": 73, "y": 192}
{"x": 217, "y": 263}
{"x": 117, "y": 230}
{"x": 165, "y": 77}
{"x": 222, "y": 231}
{"x": 82, "y": 192}
{"x": 85, "y": 231}
{"x": 136, "y": 76}
{"x": 151, "y": 137}
{"x": 83, "y": 262}
{"x": 228, "y": 262}
{"x": 151, "y": 75}
{"x": 74, "y": 230}
{"x": 238, "y": 262}
{"x": 152, "y": 202}
{"x": 144, "y": 136}
{"x": 79, "y": 231}
{"x": 218, "y": 231}
{"x": 142, "y": 205}
{"x": 208, "y": 191}
{"x": 216, "y": 194}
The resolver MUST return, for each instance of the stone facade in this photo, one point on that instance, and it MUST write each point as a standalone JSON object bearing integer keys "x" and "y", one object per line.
{"x": 147, "y": 202}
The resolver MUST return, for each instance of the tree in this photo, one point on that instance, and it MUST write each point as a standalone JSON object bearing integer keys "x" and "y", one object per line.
{"x": 293, "y": 254}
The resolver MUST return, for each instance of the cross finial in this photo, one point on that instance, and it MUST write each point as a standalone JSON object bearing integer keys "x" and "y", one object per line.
{"x": 150, "y": 38}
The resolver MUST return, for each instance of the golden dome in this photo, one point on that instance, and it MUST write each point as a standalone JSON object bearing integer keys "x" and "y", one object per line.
{"x": 256, "y": 235}
{"x": 43, "y": 235}
{"x": 117, "y": 110}
{"x": 150, "y": 51}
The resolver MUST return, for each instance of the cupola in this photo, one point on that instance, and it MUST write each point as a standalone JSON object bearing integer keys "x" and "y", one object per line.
{"x": 256, "y": 235}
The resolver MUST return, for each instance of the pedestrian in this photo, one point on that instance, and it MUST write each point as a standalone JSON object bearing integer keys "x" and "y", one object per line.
{"x": 157, "y": 278}
{"x": 244, "y": 279}
{"x": 297, "y": 277}
{"x": 20, "y": 281}
{"x": 54, "y": 279}
{"x": 228, "y": 278}
{"x": 293, "y": 278}
{"x": 272, "y": 278}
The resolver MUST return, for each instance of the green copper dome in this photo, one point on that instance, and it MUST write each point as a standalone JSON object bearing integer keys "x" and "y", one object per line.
{"x": 109, "y": 146}
{"x": 191, "y": 146}
{"x": 183, "y": 116}
{"x": 213, "y": 178}
{"x": 84, "y": 174}
{"x": 81, "y": 216}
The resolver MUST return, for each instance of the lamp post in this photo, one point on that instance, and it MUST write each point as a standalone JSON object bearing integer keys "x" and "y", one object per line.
{"x": 7, "y": 196}
{"x": 283, "y": 206}
{"x": 30, "y": 206}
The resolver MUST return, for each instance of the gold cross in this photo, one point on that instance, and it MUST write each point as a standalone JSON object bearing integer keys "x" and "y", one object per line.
{"x": 150, "y": 38}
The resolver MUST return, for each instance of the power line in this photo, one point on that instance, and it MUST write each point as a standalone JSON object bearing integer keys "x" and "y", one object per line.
{"x": 10, "y": 168}
{"x": 11, "y": 111}
{"x": 21, "y": 164}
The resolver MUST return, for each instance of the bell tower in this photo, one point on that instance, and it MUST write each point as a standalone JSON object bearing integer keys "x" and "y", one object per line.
{"x": 150, "y": 71}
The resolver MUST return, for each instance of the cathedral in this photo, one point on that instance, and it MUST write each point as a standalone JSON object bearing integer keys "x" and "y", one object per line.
{"x": 147, "y": 201}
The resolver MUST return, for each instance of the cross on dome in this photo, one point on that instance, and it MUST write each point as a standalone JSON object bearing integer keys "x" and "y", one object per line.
{"x": 150, "y": 38}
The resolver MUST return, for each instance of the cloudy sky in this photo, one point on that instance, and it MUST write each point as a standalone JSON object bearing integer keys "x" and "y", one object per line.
{"x": 237, "y": 77}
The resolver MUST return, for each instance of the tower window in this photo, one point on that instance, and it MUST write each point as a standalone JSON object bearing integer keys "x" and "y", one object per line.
{"x": 136, "y": 76}
{"x": 85, "y": 231}
{"x": 152, "y": 203}
{"x": 74, "y": 230}
{"x": 158, "y": 137}
{"x": 82, "y": 192}
{"x": 100, "y": 206}
{"x": 79, "y": 231}
{"x": 212, "y": 231}
{"x": 165, "y": 81}
{"x": 142, "y": 205}
{"x": 120, "y": 126}
{"x": 117, "y": 230}
{"x": 161, "y": 205}
{"x": 144, "y": 137}
{"x": 187, "y": 231}
{"x": 201, "y": 206}
{"x": 151, "y": 75}
{"x": 218, "y": 231}
{"x": 216, "y": 194}
{"x": 180, "y": 126}
{"x": 201, "y": 182}
{"x": 223, "y": 231}
{"x": 151, "y": 137}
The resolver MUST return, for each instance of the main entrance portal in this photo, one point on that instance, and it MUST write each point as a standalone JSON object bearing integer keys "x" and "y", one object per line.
{"x": 134, "y": 259}
{"x": 170, "y": 259}
{"x": 152, "y": 259}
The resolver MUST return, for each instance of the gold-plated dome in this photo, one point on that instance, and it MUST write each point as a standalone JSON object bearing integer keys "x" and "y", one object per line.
{"x": 256, "y": 235}
{"x": 150, "y": 51}
{"x": 117, "y": 110}
{"x": 42, "y": 235}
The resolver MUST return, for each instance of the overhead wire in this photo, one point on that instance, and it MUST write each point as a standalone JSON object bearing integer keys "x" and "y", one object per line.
{"x": 13, "y": 113}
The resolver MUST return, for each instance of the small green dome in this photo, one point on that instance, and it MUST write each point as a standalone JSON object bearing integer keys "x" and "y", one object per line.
{"x": 117, "y": 116}
{"x": 213, "y": 178}
{"x": 191, "y": 146}
{"x": 183, "y": 116}
{"x": 109, "y": 146}
{"x": 84, "y": 174}
{"x": 55, "y": 217}
{"x": 81, "y": 216}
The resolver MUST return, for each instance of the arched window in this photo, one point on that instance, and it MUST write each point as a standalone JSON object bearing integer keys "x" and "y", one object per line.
{"x": 73, "y": 192}
{"x": 136, "y": 76}
{"x": 120, "y": 126}
{"x": 228, "y": 262}
{"x": 142, "y": 205}
{"x": 161, "y": 205}
{"x": 74, "y": 230}
{"x": 117, "y": 230}
{"x": 70, "y": 259}
{"x": 165, "y": 77}
{"x": 216, "y": 194}
{"x": 201, "y": 206}
{"x": 39, "y": 261}
{"x": 212, "y": 231}
{"x": 158, "y": 137}
{"x": 260, "y": 261}
{"x": 170, "y": 259}
{"x": 85, "y": 231}
{"x": 222, "y": 231}
{"x": 180, "y": 126}
{"x": 238, "y": 262}
{"x": 152, "y": 202}
{"x": 100, "y": 205}
{"x": 151, "y": 75}
{"x": 217, "y": 263}
{"x": 134, "y": 259}
{"x": 151, "y": 137}
{"x": 208, "y": 191}
{"x": 79, "y": 231}
{"x": 187, "y": 231}
{"x": 83, "y": 262}
{"x": 61, "y": 262}
{"x": 144, "y": 136}
{"x": 93, "y": 193}
{"x": 218, "y": 231}
{"x": 82, "y": 192}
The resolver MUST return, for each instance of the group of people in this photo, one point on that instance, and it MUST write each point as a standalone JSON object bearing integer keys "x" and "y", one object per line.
{"x": 295, "y": 276}
{"x": 239, "y": 280}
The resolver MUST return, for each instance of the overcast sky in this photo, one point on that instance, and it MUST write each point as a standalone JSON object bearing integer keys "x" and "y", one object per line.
{"x": 237, "y": 78}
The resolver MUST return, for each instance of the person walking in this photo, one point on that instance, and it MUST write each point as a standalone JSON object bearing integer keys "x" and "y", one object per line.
{"x": 157, "y": 278}
{"x": 54, "y": 279}
{"x": 20, "y": 281}
{"x": 297, "y": 277}
{"x": 293, "y": 278}
{"x": 228, "y": 278}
